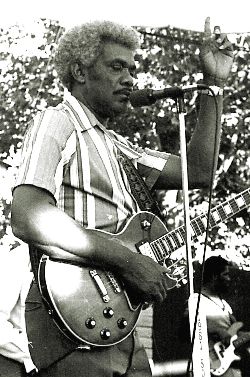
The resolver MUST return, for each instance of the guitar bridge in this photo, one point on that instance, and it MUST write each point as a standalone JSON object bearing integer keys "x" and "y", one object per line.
{"x": 114, "y": 282}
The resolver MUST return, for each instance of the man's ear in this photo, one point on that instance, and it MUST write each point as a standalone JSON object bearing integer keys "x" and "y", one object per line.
{"x": 77, "y": 71}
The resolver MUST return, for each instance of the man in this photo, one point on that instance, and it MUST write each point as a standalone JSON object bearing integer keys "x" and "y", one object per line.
{"x": 221, "y": 323}
{"x": 71, "y": 182}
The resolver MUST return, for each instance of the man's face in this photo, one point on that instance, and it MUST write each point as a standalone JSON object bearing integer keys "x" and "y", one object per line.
{"x": 109, "y": 82}
{"x": 223, "y": 281}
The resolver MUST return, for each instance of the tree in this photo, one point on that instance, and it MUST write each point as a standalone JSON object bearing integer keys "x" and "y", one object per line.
{"x": 168, "y": 57}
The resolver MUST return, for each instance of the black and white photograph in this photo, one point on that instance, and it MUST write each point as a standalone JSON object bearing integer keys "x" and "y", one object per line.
{"x": 124, "y": 188}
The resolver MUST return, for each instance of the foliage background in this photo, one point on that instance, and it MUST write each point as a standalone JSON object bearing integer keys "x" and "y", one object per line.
{"x": 168, "y": 57}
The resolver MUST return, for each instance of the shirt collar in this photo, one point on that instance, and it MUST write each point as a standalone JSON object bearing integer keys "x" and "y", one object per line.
{"x": 79, "y": 108}
{"x": 84, "y": 118}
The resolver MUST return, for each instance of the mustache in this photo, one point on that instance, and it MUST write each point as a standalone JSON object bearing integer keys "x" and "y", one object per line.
{"x": 124, "y": 91}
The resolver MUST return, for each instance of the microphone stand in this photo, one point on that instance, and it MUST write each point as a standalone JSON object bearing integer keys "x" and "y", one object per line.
{"x": 200, "y": 358}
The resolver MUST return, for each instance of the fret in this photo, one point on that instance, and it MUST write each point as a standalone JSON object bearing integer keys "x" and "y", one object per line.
{"x": 166, "y": 246}
{"x": 222, "y": 213}
{"x": 203, "y": 219}
{"x": 171, "y": 242}
{"x": 155, "y": 250}
{"x": 176, "y": 239}
{"x": 194, "y": 228}
{"x": 212, "y": 221}
{"x": 246, "y": 196}
{"x": 228, "y": 210}
{"x": 162, "y": 249}
{"x": 200, "y": 225}
{"x": 234, "y": 205}
{"x": 180, "y": 237}
{"x": 216, "y": 216}
{"x": 159, "y": 253}
{"x": 183, "y": 233}
{"x": 240, "y": 202}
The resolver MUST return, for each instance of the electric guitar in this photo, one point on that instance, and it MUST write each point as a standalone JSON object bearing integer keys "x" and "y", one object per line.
{"x": 91, "y": 305}
{"x": 221, "y": 357}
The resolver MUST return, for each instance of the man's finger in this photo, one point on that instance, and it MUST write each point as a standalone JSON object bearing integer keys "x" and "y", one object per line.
{"x": 217, "y": 31}
{"x": 207, "y": 28}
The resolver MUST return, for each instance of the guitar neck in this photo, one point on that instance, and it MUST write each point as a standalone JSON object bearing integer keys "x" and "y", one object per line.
{"x": 164, "y": 246}
{"x": 242, "y": 339}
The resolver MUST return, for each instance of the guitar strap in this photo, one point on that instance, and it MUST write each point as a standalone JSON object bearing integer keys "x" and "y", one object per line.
{"x": 35, "y": 257}
{"x": 138, "y": 187}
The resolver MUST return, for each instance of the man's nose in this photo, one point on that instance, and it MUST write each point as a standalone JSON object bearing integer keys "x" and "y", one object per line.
{"x": 127, "y": 77}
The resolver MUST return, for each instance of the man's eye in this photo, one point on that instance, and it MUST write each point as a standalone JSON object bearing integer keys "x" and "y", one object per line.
{"x": 117, "y": 67}
{"x": 132, "y": 73}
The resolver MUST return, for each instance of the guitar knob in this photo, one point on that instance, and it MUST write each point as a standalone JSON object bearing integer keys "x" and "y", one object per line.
{"x": 90, "y": 323}
{"x": 108, "y": 312}
{"x": 105, "y": 334}
{"x": 122, "y": 323}
{"x": 145, "y": 224}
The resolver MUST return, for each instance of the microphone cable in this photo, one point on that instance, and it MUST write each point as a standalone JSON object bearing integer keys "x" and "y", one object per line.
{"x": 213, "y": 172}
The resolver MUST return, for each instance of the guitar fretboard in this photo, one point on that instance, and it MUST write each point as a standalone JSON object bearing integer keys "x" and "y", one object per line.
{"x": 164, "y": 246}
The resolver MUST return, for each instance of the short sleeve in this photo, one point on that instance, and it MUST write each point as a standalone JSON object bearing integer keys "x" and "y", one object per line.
{"x": 42, "y": 152}
{"x": 150, "y": 165}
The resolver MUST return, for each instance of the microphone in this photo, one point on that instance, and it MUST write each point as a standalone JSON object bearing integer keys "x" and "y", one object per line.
{"x": 147, "y": 97}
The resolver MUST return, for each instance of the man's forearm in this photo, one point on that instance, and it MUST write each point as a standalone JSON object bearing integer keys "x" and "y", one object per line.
{"x": 79, "y": 244}
{"x": 203, "y": 148}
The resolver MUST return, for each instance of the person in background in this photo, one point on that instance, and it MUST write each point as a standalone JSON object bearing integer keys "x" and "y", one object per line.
{"x": 15, "y": 281}
{"x": 71, "y": 183}
{"x": 221, "y": 323}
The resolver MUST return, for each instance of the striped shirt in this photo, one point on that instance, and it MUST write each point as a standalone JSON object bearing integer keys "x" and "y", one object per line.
{"x": 68, "y": 152}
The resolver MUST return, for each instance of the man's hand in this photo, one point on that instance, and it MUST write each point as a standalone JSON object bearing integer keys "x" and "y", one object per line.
{"x": 216, "y": 55}
{"x": 225, "y": 336}
{"x": 145, "y": 279}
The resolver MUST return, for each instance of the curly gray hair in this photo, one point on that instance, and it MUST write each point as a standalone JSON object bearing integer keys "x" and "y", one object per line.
{"x": 84, "y": 44}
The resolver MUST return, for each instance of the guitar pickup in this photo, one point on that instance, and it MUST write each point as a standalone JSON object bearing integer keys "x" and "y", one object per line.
{"x": 100, "y": 286}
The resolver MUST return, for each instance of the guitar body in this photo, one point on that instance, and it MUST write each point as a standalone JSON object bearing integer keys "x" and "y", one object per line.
{"x": 221, "y": 357}
{"x": 90, "y": 305}
{"x": 78, "y": 307}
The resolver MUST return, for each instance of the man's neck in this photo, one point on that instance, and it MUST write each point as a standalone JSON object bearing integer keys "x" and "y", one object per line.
{"x": 81, "y": 98}
{"x": 209, "y": 291}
